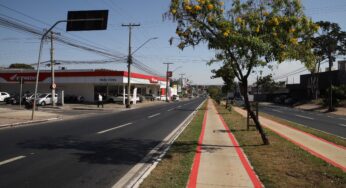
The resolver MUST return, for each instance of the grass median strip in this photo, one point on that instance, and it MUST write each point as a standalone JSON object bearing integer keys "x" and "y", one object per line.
{"x": 329, "y": 137}
{"x": 281, "y": 164}
{"x": 175, "y": 167}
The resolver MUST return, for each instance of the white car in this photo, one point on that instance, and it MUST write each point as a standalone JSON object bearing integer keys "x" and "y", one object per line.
{"x": 119, "y": 98}
{"x": 3, "y": 95}
{"x": 46, "y": 98}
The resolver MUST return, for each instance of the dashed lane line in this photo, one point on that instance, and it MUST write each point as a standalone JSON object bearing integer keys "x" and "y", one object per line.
{"x": 344, "y": 125}
{"x": 12, "y": 159}
{"x": 170, "y": 109}
{"x": 154, "y": 115}
{"x": 277, "y": 111}
{"x": 111, "y": 129}
{"x": 306, "y": 117}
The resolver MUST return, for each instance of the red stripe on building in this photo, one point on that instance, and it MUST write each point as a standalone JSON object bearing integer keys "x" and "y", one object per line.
{"x": 31, "y": 76}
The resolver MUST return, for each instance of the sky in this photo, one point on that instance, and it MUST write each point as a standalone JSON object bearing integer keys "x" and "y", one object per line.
{"x": 20, "y": 47}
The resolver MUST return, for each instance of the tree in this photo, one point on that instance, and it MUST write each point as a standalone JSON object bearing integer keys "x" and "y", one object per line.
{"x": 249, "y": 34}
{"x": 225, "y": 72}
{"x": 329, "y": 43}
{"x": 214, "y": 91}
{"x": 20, "y": 66}
{"x": 266, "y": 83}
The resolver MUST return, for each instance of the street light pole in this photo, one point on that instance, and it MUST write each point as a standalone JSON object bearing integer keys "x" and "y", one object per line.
{"x": 38, "y": 65}
{"x": 129, "y": 62}
{"x": 167, "y": 80}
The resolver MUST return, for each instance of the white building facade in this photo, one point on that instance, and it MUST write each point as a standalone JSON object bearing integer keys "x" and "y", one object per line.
{"x": 86, "y": 83}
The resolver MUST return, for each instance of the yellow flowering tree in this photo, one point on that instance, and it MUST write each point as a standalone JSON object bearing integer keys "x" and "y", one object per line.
{"x": 246, "y": 34}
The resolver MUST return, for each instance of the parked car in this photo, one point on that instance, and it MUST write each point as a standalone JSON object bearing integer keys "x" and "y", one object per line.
{"x": 4, "y": 95}
{"x": 46, "y": 98}
{"x": 175, "y": 98}
{"x": 14, "y": 99}
{"x": 151, "y": 97}
{"x": 119, "y": 98}
{"x": 74, "y": 99}
{"x": 7, "y": 99}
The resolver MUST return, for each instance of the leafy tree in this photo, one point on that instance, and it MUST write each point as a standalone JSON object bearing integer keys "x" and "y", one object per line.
{"x": 329, "y": 43}
{"x": 225, "y": 72}
{"x": 20, "y": 66}
{"x": 214, "y": 91}
{"x": 267, "y": 84}
{"x": 248, "y": 34}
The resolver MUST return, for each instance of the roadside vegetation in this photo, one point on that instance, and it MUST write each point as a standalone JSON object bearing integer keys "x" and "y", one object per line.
{"x": 175, "y": 167}
{"x": 331, "y": 138}
{"x": 281, "y": 164}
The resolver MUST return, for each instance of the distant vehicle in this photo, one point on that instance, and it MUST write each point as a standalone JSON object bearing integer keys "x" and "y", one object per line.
{"x": 29, "y": 96}
{"x": 4, "y": 95}
{"x": 14, "y": 99}
{"x": 176, "y": 98}
{"x": 46, "y": 98}
{"x": 119, "y": 98}
{"x": 151, "y": 97}
{"x": 74, "y": 99}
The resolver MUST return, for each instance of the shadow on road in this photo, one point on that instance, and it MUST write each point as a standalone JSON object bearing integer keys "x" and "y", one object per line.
{"x": 115, "y": 151}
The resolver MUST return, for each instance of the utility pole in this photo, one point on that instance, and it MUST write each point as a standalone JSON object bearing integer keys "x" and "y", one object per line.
{"x": 167, "y": 80}
{"x": 181, "y": 82}
{"x": 53, "y": 85}
{"x": 129, "y": 62}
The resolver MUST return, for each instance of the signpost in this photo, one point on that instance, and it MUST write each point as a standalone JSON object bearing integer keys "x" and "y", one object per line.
{"x": 87, "y": 20}
{"x": 76, "y": 21}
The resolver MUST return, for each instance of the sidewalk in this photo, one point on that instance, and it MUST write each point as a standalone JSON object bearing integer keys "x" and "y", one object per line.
{"x": 329, "y": 152}
{"x": 219, "y": 161}
{"x": 12, "y": 117}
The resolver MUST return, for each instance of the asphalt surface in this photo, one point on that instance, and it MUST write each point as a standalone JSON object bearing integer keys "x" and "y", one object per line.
{"x": 329, "y": 123}
{"x": 89, "y": 152}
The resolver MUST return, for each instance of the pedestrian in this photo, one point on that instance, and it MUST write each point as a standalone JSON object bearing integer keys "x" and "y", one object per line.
{"x": 100, "y": 100}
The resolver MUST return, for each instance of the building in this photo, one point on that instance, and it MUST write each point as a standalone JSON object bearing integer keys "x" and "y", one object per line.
{"x": 303, "y": 90}
{"x": 86, "y": 83}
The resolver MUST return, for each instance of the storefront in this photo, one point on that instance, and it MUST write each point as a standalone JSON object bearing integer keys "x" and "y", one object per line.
{"x": 86, "y": 83}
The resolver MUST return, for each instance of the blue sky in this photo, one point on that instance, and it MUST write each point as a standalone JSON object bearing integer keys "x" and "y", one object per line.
{"x": 23, "y": 48}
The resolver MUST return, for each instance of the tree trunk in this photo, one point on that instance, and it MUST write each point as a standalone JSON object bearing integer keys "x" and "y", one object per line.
{"x": 252, "y": 114}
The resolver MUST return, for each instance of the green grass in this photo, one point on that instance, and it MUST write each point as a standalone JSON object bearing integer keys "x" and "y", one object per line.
{"x": 175, "y": 167}
{"x": 282, "y": 164}
{"x": 326, "y": 136}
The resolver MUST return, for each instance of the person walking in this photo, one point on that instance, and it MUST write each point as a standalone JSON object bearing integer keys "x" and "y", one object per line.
{"x": 100, "y": 100}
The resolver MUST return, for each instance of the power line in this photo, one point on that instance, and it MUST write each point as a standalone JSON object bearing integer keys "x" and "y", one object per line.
{"x": 21, "y": 26}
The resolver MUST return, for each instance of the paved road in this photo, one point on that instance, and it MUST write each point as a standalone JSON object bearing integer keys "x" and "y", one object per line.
{"x": 90, "y": 152}
{"x": 332, "y": 124}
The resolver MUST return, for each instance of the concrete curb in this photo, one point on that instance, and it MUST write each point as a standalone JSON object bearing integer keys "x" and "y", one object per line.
{"x": 28, "y": 122}
{"x": 139, "y": 172}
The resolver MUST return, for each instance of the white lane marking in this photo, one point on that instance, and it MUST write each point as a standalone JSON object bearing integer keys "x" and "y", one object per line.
{"x": 342, "y": 118}
{"x": 344, "y": 125}
{"x": 179, "y": 106}
{"x": 278, "y": 111}
{"x": 170, "y": 109}
{"x": 154, "y": 115}
{"x": 117, "y": 127}
{"x": 12, "y": 159}
{"x": 304, "y": 117}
